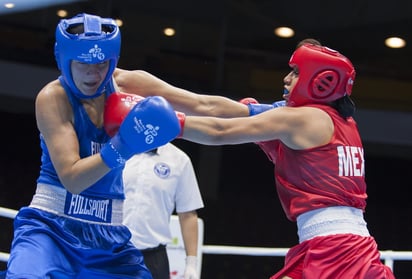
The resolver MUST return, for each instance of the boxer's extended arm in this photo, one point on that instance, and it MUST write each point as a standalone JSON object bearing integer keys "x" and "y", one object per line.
{"x": 145, "y": 84}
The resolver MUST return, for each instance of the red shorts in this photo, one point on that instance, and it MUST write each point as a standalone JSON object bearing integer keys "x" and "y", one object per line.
{"x": 337, "y": 256}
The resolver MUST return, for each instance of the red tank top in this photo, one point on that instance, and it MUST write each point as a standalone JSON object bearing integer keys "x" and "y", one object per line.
{"x": 328, "y": 175}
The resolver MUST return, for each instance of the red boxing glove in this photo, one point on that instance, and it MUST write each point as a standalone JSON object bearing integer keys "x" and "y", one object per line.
{"x": 248, "y": 100}
{"x": 117, "y": 106}
{"x": 182, "y": 118}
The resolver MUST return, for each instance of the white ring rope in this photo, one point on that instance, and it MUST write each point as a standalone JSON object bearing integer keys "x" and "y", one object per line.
{"x": 387, "y": 256}
{"x": 7, "y": 212}
{"x": 241, "y": 250}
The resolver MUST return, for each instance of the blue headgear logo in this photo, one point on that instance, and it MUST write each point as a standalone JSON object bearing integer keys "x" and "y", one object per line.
{"x": 93, "y": 46}
{"x": 94, "y": 53}
{"x": 97, "y": 52}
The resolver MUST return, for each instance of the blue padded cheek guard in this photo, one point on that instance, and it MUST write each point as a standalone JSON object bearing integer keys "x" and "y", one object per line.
{"x": 91, "y": 47}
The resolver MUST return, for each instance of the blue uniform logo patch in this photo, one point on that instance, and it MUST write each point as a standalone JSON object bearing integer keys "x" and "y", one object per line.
{"x": 81, "y": 207}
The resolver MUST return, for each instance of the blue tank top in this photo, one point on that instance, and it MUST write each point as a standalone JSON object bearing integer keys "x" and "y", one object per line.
{"x": 91, "y": 139}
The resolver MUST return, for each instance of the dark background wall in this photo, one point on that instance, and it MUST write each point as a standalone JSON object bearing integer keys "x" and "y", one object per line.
{"x": 235, "y": 52}
{"x": 241, "y": 206}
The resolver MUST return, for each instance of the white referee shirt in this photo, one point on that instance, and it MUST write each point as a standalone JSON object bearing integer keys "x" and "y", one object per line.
{"x": 155, "y": 184}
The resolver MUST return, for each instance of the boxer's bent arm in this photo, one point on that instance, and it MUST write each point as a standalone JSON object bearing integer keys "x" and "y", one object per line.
{"x": 54, "y": 121}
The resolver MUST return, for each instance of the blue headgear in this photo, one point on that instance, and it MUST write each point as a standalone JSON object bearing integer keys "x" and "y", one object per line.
{"x": 91, "y": 47}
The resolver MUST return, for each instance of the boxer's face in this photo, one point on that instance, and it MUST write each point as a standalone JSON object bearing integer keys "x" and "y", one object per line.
{"x": 88, "y": 77}
{"x": 290, "y": 82}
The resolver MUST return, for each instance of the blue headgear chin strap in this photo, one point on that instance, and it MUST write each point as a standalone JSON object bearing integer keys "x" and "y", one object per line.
{"x": 91, "y": 47}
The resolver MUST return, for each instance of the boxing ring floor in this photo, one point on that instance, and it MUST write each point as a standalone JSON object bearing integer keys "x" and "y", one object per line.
{"x": 176, "y": 250}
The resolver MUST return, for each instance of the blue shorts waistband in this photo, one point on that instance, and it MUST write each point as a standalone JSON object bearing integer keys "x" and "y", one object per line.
{"x": 80, "y": 207}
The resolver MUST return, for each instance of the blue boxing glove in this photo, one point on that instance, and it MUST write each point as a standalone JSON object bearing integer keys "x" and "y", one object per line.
{"x": 150, "y": 123}
{"x": 279, "y": 104}
{"x": 256, "y": 108}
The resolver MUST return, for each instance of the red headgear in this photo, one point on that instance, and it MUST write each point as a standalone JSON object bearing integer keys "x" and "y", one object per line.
{"x": 325, "y": 75}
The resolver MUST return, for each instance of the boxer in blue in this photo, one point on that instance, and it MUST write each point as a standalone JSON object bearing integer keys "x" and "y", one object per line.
{"x": 73, "y": 225}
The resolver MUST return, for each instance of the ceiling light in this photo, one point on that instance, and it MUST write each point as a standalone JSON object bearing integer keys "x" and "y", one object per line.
{"x": 14, "y": 6}
{"x": 9, "y": 5}
{"x": 62, "y": 13}
{"x": 169, "y": 31}
{"x": 119, "y": 22}
{"x": 284, "y": 32}
{"x": 395, "y": 42}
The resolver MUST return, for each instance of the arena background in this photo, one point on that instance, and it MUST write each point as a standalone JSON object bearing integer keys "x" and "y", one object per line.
{"x": 236, "y": 57}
